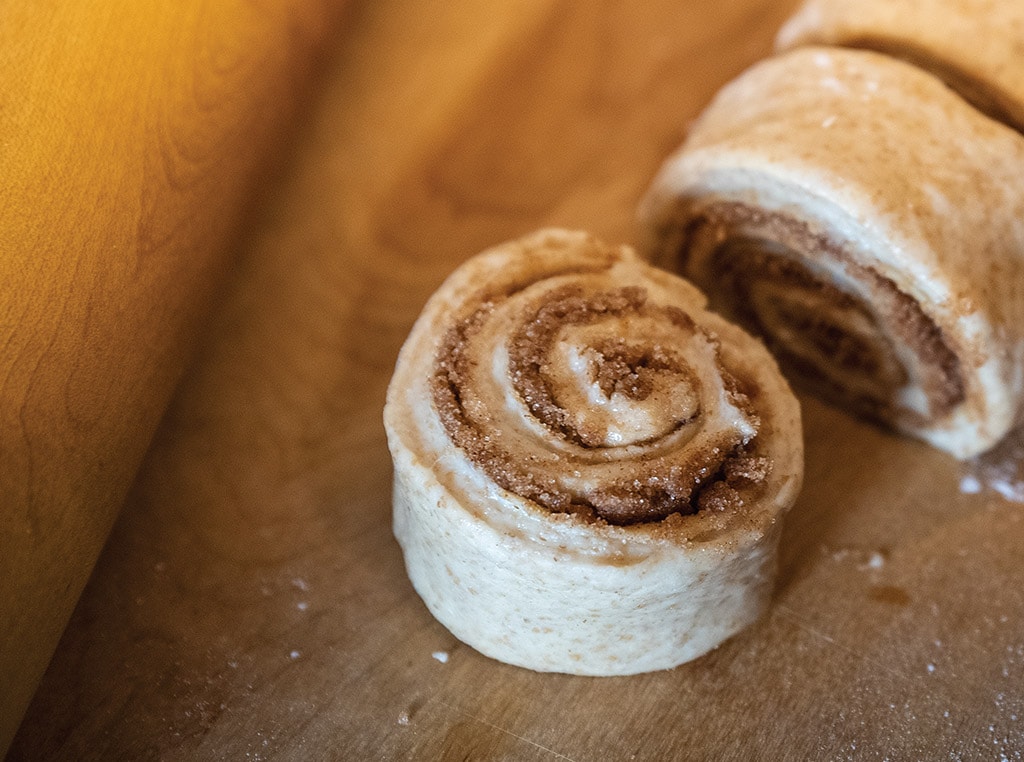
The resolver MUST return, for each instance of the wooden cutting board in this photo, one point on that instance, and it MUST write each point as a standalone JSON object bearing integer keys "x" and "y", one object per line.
{"x": 251, "y": 602}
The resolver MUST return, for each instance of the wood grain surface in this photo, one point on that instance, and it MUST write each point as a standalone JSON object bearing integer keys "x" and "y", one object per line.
{"x": 251, "y": 602}
{"x": 130, "y": 140}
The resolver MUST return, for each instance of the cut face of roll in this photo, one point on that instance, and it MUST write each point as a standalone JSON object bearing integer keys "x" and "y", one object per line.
{"x": 975, "y": 46}
{"x": 589, "y": 468}
{"x": 869, "y": 224}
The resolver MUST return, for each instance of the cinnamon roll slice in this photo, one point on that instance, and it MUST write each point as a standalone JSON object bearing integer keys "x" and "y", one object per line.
{"x": 590, "y": 469}
{"x": 869, "y": 223}
{"x": 975, "y": 46}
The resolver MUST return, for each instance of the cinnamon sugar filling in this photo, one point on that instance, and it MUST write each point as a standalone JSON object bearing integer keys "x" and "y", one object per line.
{"x": 646, "y": 480}
{"x": 861, "y": 351}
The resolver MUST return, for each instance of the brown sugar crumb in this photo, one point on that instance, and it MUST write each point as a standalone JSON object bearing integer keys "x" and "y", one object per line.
{"x": 745, "y": 470}
{"x": 631, "y": 370}
{"x": 719, "y": 497}
{"x": 530, "y": 346}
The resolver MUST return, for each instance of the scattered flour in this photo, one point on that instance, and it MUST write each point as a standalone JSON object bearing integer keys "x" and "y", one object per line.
{"x": 1000, "y": 470}
{"x": 864, "y": 559}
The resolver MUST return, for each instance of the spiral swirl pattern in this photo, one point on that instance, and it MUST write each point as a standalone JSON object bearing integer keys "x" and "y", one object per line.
{"x": 865, "y": 220}
{"x": 589, "y": 466}
{"x": 847, "y": 331}
{"x": 587, "y": 397}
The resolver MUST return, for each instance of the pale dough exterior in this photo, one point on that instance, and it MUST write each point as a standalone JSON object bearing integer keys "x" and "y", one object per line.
{"x": 909, "y": 180}
{"x": 976, "y": 45}
{"x": 552, "y": 592}
{"x": 566, "y": 602}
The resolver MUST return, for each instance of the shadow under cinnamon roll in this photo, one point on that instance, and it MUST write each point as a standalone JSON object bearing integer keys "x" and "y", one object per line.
{"x": 589, "y": 468}
{"x": 866, "y": 221}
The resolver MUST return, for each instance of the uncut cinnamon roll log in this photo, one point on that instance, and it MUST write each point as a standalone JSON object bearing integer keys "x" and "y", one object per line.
{"x": 975, "y": 46}
{"x": 869, "y": 223}
{"x": 590, "y": 469}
